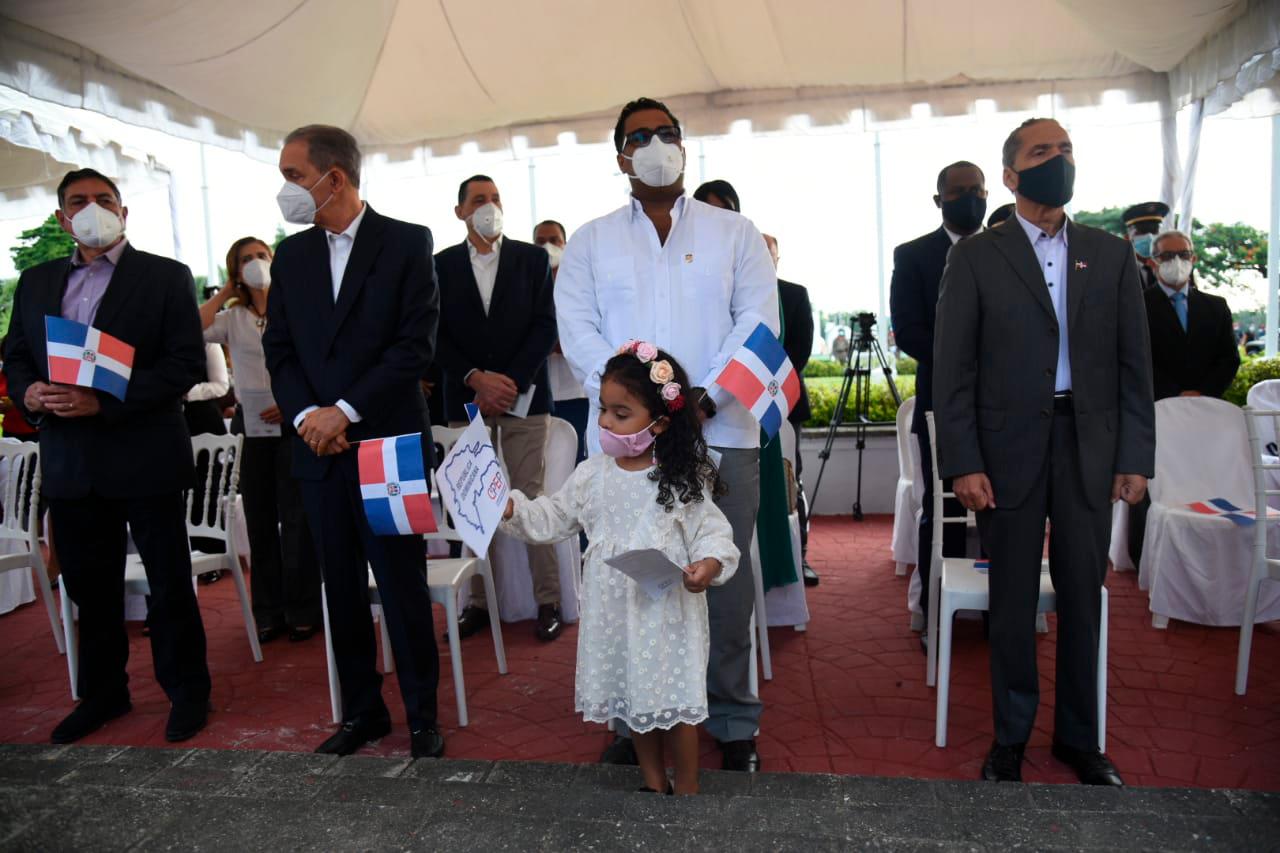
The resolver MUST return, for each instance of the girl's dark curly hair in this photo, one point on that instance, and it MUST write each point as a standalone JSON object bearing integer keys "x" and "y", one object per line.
{"x": 684, "y": 467}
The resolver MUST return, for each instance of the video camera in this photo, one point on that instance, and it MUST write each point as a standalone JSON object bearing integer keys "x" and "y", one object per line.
{"x": 865, "y": 326}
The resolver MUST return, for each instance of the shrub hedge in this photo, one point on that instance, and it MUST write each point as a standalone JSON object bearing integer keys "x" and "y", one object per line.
{"x": 823, "y": 367}
{"x": 1251, "y": 372}
{"x": 823, "y": 393}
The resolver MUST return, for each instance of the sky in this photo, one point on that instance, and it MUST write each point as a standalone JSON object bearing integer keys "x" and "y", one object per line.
{"x": 812, "y": 188}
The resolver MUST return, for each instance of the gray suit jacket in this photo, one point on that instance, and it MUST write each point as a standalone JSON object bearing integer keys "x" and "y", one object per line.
{"x": 995, "y": 352}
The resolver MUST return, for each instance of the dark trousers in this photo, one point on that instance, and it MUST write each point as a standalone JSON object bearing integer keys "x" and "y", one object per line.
{"x": 344, "y": 541}
{"x": 953, "y": 535}
{"x": 286, "y": 572}
{"x": 90, "y": 538}
{"x": 1014, "y": 541}
{"x": 576, "y": 412}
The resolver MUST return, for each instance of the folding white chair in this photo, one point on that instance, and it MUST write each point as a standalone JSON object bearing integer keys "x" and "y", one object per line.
{"x": 906, "y": 502}
{"x": 956, "y": 584}
{"x": 447, "y": 577}
{"x": 1265, "y": 396}
{"x": 212, "y": 505}
{"x": 786, "y": 606}
{"x": 1263, "y": 427}
{"x": 20, "y": 522}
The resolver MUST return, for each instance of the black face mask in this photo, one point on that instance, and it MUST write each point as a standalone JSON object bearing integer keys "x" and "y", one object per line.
{"x": 1051, "y": 183}
{"x": 964, "y": 213}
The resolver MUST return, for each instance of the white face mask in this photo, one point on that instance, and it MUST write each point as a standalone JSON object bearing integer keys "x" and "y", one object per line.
{"x": 1174, "y": 272}
{"x": 297, "y": 205}
{"x": 256, "y": 273}
{"x": 658, "y": 164}
{"x": 95, "y": 226}
{"x": 487, "y": 221}
{"x": 555, "y": 253}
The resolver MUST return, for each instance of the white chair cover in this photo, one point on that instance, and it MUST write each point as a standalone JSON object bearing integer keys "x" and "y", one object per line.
{"x": 510, "y": 556}
{"x": 1265, "y": 396}
{"x": 16, "y": 588}
{"x": 1119, "y": 550}
{"x": 1197, "y": 567}
{"x": 906, "y": 503}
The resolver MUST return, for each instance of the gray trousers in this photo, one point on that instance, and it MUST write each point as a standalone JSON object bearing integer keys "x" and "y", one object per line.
{"x": 734, "y": 711}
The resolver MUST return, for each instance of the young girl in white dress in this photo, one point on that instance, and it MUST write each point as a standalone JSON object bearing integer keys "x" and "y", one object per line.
{"x": 640, "y": 660}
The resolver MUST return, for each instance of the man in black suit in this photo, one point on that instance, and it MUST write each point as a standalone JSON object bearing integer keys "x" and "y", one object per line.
{"x": 1193, "y": 347}
{"x": 797, "y": 340}
{"x": 913, "y": 302}
{"x": 110, "y": 464}
{"x": 351, "y": 328}
{"x": 1042, "y": 396}
{"x": 498, "y": 325}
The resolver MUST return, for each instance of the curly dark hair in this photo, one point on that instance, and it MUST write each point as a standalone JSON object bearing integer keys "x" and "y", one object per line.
{"x": 684, "y": 467}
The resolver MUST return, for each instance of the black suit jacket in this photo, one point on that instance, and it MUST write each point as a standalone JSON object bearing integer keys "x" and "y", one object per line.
{"x": 370, "y": 349}
{"x": 138, "y": 447}
{"x": 797, "y": 338}
{"x": 515, "y": 337}
{"x": 1202, "y": 358}
{"x": 913, "y": 303}
{"x": 996, "y": 350}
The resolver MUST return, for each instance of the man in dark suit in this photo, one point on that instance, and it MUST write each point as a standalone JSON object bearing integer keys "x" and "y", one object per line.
{"x": 913, "y": 302}
{"x": 1042, "y": 396}
{"x": 351, "y": 328}
{"x": 110, "y": 464}
{"x": 797, "y": 340}
{"x": 498, "y": 325}
{"x": 1193, "y": 346}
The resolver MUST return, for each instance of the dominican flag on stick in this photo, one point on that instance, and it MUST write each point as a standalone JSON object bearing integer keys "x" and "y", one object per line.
{"x": 393, "y": 484}
{"x": 82, "y": 355}
{"x": 762, "y": 378}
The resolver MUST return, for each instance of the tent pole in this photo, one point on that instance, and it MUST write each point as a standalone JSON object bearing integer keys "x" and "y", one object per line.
{"x": 883, "y": 325}
{"x": 1273, "y": 243}
{"x": 533, "y": 192}
{"x": 211, "y": 277}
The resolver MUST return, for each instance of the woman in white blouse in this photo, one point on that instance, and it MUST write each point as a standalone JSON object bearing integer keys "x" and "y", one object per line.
{"x": 285, "y": 571}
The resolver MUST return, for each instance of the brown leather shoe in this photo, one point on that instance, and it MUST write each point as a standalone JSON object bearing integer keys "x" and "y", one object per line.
{"x": 549, "y": 624}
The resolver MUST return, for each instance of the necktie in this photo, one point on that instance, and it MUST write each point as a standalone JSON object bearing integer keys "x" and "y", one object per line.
{"x": 1180, "y": 306}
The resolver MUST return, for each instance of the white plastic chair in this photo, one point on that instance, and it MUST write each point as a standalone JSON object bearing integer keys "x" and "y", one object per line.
{"x": 956, "y": 584}
{"x": 1265, "y": 396}
{"x": 213, "y": 505}
{"x": 906, "y": 503}
{"x": 20, "y": 523}
{"x": 447, "y": 577}
{"x": 1262, "y": 426}
{"x": 1197, "y": 567}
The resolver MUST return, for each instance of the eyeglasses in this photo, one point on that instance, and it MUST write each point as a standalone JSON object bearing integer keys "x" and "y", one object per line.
{"x": 640, "y": 136}
{"x": 1185, "y": 255}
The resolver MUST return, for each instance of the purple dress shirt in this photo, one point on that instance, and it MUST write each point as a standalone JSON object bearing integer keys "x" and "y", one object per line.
{"x": 87, "y": 283}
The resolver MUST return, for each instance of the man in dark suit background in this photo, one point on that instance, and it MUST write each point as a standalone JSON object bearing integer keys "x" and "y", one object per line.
{"x": 108, "y": 464}
{"x": 498, "y": 325}
{"x": 913, "y": 302}
{"x": 351, "y": 329}
{"x": 1043, "y": 402}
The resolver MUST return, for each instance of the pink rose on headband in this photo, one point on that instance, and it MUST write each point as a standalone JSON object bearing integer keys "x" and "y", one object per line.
{"x": 646, "y": 351}
{"x": 671, "y": 390}
{"x": 628, "y": 347}
{"x": 661, "y": 372}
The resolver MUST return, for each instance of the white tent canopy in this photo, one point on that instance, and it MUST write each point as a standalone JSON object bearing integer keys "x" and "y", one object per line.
{"x": 404, "y": 73}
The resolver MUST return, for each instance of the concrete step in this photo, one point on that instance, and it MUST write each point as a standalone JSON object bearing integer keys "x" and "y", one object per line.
{"x": 126, "y": 798}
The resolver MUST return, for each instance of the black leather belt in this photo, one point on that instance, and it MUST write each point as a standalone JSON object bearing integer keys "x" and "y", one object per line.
{"x": 1062, "y": 403}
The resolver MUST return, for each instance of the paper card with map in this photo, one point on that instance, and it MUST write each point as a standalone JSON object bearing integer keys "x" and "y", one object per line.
{"x": 650, "y": 568}
{"x": 473, "y": 486}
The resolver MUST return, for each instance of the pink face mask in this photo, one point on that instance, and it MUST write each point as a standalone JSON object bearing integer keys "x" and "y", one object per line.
{"x": 621, "y": 446}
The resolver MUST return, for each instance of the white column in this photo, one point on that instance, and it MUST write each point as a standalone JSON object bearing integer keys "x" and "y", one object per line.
{"x": 882, "y": 318}
{"x": 208, "y": 227}
{"x": 533, "y": 196}
{"x": 1273, "y": 243}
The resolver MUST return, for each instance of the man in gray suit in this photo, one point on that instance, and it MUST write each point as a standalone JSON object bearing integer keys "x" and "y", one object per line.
{"x": 1044, "y": 410}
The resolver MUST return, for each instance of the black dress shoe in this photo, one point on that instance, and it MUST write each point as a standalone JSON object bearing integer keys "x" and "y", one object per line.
{"x": 621, "y": 751}
{"x": 810, "y": 576}
{"x": 266, "y": 635}
{"x": 89, "y": 716}
{"x": 426, "y": 743}
{"x": 924, "y": 642}
{"x": 470, "y": 620}
{"x": 1004, "y": 763}
{"x": 211, "y": 577}
{"x": 1090, "y": 765}
{"x": 354, "y": 734}
{"x": 549, "y": 624}
{"x": 299, "y": 635}
{"x": 186, "y": 719}
{"x": 740, "y": 755}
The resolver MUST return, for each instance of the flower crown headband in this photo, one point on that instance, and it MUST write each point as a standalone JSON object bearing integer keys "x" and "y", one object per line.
{"x": 660, "y": 372}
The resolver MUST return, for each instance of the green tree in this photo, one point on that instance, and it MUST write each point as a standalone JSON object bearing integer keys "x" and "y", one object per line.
{"x": 1108, "y": 219}
{"x": 280, "y": 235}
{"x": 45, "y": 242}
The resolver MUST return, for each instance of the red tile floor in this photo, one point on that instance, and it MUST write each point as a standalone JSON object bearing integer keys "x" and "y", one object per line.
{"x": 848, "y": 696}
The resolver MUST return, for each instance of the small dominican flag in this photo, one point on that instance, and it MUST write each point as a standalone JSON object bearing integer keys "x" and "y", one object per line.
{"x": 82, "y": 355}
{"x": 762, "y": 378}
{"x": 393, "y": 484}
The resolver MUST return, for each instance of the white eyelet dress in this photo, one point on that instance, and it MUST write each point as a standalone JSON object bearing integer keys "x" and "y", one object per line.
{"x": 639, "y": 660}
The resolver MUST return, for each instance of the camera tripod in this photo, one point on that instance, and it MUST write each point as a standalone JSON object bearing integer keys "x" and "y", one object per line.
{"x": 866, "y": 353}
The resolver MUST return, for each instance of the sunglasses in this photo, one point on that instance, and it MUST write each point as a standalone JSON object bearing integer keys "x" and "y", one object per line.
{"x": 641, "y": 136}
{"x": 1168, "y": 256}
